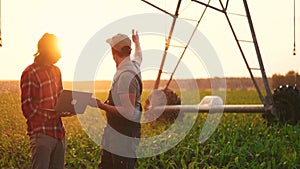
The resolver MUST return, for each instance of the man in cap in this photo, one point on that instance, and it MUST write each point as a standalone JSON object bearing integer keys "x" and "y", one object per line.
{"x": 41, "y": 86}
{"x": 123, "y": 106}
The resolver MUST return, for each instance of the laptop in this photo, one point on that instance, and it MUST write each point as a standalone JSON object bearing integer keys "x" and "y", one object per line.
{"x": 74, "y": 102}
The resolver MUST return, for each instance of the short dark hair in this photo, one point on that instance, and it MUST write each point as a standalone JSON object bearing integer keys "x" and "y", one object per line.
{"x": 48, "y": 42}
{"x": 48, "y": 49}
{"x": 125, "y": 51}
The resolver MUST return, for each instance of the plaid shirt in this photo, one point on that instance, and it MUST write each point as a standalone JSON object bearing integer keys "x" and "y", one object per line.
{"x": 40, "y": 88}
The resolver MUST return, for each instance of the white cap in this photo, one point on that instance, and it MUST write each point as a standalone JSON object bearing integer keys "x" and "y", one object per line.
{"x": 119, "y": 41}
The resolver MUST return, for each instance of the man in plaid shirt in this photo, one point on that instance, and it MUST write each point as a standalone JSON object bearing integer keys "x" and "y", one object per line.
{"x": 41, "y": 86}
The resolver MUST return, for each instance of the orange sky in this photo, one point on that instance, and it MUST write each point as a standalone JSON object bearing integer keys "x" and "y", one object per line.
{"x": 75, "y": 22}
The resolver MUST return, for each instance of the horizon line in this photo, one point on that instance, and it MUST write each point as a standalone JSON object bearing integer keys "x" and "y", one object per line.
{"x": 142, "y": 80}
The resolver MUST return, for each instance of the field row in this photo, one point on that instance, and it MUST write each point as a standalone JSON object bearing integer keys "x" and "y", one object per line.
{"x": 239, "y": 141}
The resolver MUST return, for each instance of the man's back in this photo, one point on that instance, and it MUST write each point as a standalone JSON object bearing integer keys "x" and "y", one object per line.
{"x": 40, "y": 88}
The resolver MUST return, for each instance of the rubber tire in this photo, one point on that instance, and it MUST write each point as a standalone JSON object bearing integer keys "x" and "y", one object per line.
{"x": 286, "y": 102}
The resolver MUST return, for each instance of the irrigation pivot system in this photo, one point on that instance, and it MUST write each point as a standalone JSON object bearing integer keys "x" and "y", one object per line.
{"x": 283, "y": 105}
{"x": 0, "y": 26}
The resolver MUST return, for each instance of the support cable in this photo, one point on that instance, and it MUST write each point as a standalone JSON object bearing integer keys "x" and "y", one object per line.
{"x": 167, "y": 45}
{"x": 194, "y": 31}
{"x": 242, "y": 53}
{"x": 294, "y": 51}
{"x": 0, "y": 26}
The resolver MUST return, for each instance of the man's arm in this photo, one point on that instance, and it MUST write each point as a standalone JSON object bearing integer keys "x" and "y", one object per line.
{"x": 138, "y": 50}
{"x": 27, "y": 92}
{"x": 126, "y": 109}
{"x": 127, "y": 90}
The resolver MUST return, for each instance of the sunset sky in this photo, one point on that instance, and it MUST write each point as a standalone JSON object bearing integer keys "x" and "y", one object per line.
{"x": 76, "y": 21}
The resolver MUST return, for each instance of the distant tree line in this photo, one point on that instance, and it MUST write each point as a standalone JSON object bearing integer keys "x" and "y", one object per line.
{"x": 291, "y": 78}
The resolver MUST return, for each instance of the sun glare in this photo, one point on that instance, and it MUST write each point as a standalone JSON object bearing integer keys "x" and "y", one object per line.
{"x": 59, "y": 45}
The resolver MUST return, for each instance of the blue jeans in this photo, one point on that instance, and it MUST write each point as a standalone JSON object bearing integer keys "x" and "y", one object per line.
{"x": 47, "y": 152}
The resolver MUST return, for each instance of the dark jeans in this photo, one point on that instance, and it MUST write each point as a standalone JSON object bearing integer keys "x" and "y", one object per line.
{"x": 47, "y": 152}
{"x": 112, "y": 161}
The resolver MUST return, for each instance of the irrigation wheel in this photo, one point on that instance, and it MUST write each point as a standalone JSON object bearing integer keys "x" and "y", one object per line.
{"x": 160, "y": 98}
{"x": 286, "y": 105}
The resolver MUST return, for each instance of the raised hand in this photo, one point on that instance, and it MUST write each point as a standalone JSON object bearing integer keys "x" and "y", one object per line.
{"x": 135, "y": 36}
